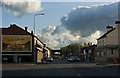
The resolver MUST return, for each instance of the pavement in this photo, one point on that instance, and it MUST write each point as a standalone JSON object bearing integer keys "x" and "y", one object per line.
{"x": 109, "y": 65}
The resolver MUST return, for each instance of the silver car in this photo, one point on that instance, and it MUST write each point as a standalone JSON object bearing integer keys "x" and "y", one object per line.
{"x": 50, "y": 59}
{"x": 73, "y": 58}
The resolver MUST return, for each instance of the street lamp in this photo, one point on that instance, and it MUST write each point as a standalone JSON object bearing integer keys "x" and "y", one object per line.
{"x": 34, "y": 34}
{"x": 34, "y": 20}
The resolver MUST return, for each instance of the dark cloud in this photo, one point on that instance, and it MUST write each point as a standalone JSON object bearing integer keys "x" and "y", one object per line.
{"x": 82, "y": 24}
{"x": 89, "y": 19}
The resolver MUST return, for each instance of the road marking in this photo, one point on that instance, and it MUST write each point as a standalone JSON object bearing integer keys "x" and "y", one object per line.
{"x": 78, "y": 75}
{"x": 75, "y": 72}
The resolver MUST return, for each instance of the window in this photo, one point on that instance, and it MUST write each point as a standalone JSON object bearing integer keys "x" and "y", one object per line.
{"x": 111, "y": 51}
{"x": 103, "y": 42}
{"x": 119, "y": 52}
{"x": 98, "y": 42}
{"x": 97, "y": 53}
{"x": 104, "y": 53}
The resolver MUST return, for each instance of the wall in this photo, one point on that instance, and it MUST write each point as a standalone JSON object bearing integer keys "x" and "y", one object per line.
{"x": 39, "y": 56}
{"x": 115, "y": 53}
{"x": 112, "y": 38}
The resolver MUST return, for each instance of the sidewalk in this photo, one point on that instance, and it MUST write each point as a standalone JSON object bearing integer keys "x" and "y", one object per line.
{"x": 25, "y": 63}
{"x": 110, "y": 65}
{"x": 107, "y": 63}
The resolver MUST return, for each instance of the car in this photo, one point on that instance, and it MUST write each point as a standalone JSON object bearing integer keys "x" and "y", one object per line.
{"x": 74, "y": 58}
{"x": 50, "y": 59}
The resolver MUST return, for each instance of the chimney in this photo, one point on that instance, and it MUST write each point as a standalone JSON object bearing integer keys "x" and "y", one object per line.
{"x": 89, "y": 44}
{"x": 44, "y": 45}
{"x": 13, "y": 25}
{"x": 117, "y": 23}
{"x": 26, "y": 28}
{"x": 32, "y": 32}
{"x": 108, "y": 28}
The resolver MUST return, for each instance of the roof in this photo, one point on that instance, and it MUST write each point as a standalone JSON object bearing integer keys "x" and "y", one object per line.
{"x": 105, "y": 34}
{"x": 14, "y": 30}
{"x": 38, "y": 39}
{"x": 117, "y": 22}
{"x": 109, "y": 26}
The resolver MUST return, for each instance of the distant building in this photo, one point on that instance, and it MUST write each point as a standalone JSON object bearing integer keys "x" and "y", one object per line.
{"x": 19, "y": 45}
{"x": 56, "y": 53}
{"x": 108, "y": 45}
{"x": 88, "y": 53}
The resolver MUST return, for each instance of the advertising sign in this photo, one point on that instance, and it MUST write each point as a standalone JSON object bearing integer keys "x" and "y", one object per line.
{"x": 16, "y": 43}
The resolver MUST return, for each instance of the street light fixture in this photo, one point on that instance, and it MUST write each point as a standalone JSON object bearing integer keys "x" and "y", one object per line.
{"x": 34, "y": 20}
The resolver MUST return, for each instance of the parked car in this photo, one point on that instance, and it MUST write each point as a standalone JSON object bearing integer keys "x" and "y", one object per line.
{"x": 73, "y": 58}
{"x": 50, "y": 59}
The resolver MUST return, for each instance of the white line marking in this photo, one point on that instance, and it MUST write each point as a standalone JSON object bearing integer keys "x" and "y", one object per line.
{"x": 75, "y": 72}
{"x": 78, "y": 75}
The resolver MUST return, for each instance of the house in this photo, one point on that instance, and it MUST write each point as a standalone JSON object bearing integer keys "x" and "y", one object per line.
{"x": 88, "y": 53}
{"x": 108, "y": 45}
{"x": 91, "y": 52}
{"x": 19, "y": 45}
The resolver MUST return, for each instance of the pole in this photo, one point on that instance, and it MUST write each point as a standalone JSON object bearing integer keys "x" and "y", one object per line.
{"x": 34, "y": 24}
{"x": 34, "y": 34}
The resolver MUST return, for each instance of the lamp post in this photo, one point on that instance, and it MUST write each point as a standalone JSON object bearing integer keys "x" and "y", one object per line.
{"x": 34, "y": 20}
{"x": 34, "y": 34}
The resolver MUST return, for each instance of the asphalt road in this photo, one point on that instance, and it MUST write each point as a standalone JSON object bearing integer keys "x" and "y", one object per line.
{"x": 59, "y": 68}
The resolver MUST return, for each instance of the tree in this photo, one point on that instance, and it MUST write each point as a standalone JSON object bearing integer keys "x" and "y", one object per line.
{"x": 85, "y": 45}
{"x": 65, "y": 51}
{"x": 73, "y": 49}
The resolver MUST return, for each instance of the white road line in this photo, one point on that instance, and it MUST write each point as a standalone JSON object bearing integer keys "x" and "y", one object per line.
{"x": 78, "y": 75}
{"x": 75, "y": 72}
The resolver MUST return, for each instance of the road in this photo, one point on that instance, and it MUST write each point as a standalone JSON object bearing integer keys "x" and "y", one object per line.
{"x": 59, "y": 68}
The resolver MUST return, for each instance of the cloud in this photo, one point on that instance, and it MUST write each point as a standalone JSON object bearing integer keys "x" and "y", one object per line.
{"x": 92, "y": 38}
{"x": 82, "y": 24}
{"x": 87, "y": 20}
{"x": 60, "y": 39}
{"x": 70, "y": 37}
{"x": 23, "y": 7}
{"x": 55, "y": 38}
{"x": 47, "y": 37}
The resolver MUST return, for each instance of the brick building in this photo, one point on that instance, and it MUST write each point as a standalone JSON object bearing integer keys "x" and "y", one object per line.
{"x": 19, "y": 45}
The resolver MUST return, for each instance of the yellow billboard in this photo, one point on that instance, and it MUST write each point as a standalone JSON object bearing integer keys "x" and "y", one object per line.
{"x": 16, "y": 43}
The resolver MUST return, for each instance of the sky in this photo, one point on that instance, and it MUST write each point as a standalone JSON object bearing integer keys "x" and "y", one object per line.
{"x": 63, "y": 22}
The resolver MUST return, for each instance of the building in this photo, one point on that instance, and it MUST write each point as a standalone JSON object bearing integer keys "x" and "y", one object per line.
{"x": 19, "y": 45}
{"x": 108, "y": 45}
{"x": 56, "y": 53}
{"x": 88, "y": 53}
{"x": 91, "y": 52}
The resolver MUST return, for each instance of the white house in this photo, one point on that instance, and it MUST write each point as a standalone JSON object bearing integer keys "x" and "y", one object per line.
{"x": 108, "y": 45}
